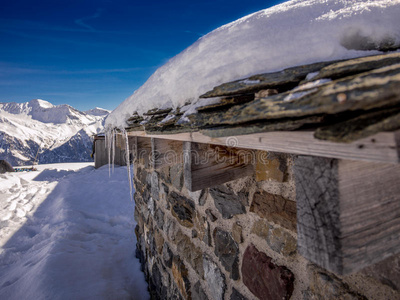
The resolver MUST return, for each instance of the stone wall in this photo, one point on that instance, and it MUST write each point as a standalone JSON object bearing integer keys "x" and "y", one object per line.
{"x": 237, "y": 240}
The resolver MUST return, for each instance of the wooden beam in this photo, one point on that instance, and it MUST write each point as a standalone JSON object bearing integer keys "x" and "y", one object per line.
{"x": 120, "y": 141}
{"x": 166, "y": 152}
{"x": 209, "y": 165}
{"x": 348, "y": 212}
{"x": 100, "y": 153}
{"x": 143, "y": 151}
{"x": 382, "y": 147}
{"x": 132, "y": 142}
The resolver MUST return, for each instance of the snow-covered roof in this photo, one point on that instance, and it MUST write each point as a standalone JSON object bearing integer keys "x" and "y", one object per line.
{"x": 290, "y": 34}
{"x": 342, "y": 101}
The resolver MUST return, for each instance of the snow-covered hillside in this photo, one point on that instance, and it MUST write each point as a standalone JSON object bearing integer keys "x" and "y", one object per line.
{"x": 61, "y": 133}
{"x": 293, "y": 33}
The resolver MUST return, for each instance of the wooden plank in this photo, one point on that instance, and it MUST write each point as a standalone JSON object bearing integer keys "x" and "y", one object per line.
{"x": 132, "y": 142}
{"x": 120, "y": 141}
{"x": 348, "y": 212}
{"x": 370, "y": 212}
{"x": 100, "y": 154}
{"x": 143, "y": 153}
{"x": 382, "y": 147}
{"x": 318, "y": 221}
{"x": 207, "y": 165}
{"x": 119, "y": 157}
{"x": 166, "y": 152}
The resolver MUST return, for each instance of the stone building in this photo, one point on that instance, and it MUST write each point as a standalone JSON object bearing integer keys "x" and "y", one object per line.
{"x": 287, "y": 188}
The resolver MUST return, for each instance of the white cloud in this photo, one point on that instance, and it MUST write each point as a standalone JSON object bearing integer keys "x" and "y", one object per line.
{"x": 82, "y": 21}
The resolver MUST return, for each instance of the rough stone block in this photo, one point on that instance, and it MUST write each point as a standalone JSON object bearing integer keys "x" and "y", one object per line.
{"x": 159, "y": 218}
{"x": 281, "y": 241}
{"x": 207, "y": 236}
{"x": 180, "y": 275}
{"x": 211, "y": 215}
{"x": 227, "y": 250}
{"x": 189, "y": 252}
{"x": 137, "y": 232}
{"x": 202, "y": 229}
{"x": 151, "y": 244}
{"x": 164, "y": 174}
{"x": 203, "y": 197}
{"x": 176, "y": 175}
{"x": 236, "y": 295}
{"x": 214, "y": 278}
{"x": 155, "y": 188}
{"x": 164, "y": 191}
{"x": 260, "y": 228}
{"x": 170, "y": 228}
{"x": 141, "y": 175}
{"x": 237, "y": 232}
{"x": 323, "y": 283}
{"x": 151, "y": 206}
{"x": 167, "y": 255}
{"x": 138, "y": 217}
{"x": 182, "y": 208}
{"x": 198, "y": 292}
{"x": 270, "y": 166}
{"x": 265, "y": 279}
{"x": 156, "y": 288}
{"x": 227, "y": 202}
{"x": 199, "y": 196}
{"x": 159, "y": 241}
{"x": 275, "y": 209}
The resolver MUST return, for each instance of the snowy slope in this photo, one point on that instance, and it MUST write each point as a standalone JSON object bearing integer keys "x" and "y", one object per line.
{"x": 97, "y": 112}
{"x": 66, "y": 232}
{"x": 293, "y": 33}
{"x": 62, "y": 133}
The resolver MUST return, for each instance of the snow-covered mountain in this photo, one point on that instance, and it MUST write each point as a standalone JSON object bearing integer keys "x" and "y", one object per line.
{"x": 99, "y": 112}
{"x": 55, "y": 133}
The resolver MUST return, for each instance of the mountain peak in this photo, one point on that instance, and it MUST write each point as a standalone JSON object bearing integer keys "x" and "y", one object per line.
{"x": 40, "y": 103}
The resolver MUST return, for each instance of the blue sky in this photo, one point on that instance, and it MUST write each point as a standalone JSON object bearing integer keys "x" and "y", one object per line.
{"x": 97, "y": 53}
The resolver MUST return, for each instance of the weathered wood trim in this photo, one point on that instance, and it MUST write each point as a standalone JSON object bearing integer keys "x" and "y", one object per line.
{"x": 166, "y": 152}
{"x": 143, "y": 153}
{"x": 397, "y": 142}
{"x": 133, "y": 147}
{"x": 100, "y": 153}
{"x": 382, "y": 147}
{"x": 370, "y": 212}
{"x": 318, "y": 211}
{"x": 348, "y": 212}
{"x": 207, "y": 165}
{"x": 120, "y": 141}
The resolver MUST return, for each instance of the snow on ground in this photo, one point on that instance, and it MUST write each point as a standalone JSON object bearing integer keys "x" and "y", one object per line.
{"x": 293, "y": 33}
{"x": 67, "y": 232}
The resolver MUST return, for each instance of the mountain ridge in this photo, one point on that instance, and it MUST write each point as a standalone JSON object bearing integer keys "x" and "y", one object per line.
{"x": 57, "y": 133}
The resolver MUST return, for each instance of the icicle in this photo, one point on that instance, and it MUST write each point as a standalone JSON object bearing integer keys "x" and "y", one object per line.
{"x": 128, "y": 164}
{"x": 113, "y": 149}
{"x": 108, "y": 141}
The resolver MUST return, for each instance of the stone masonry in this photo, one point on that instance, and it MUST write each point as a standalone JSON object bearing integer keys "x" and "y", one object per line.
{"x": 237, "y": 241}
